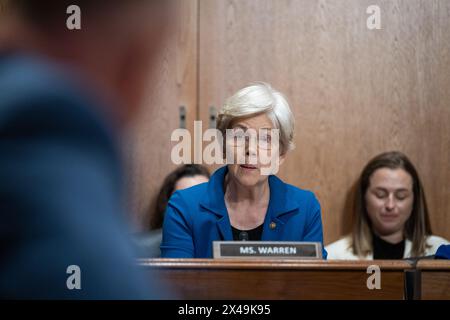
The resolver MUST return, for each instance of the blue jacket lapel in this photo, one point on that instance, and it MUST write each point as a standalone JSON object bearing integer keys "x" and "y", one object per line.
{"x": 215, "y": 203}
{"x": 280, "y": 209}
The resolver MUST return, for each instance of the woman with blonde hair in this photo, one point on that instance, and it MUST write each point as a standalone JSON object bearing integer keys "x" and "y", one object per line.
{"x": 390, "y": 214}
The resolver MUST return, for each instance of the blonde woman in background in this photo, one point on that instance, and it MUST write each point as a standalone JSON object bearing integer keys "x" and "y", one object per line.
{"x": 390, "y": 214}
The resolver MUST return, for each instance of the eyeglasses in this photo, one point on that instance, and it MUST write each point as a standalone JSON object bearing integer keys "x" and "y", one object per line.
{"x": 238, "y": 137}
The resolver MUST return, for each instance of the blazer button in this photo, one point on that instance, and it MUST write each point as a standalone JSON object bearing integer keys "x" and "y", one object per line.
{"x": 273, "y": 225}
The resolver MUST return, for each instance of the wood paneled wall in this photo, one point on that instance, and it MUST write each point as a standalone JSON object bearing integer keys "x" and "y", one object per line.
{"x": 355, "y": 92}
{"x": 148, "y": 145}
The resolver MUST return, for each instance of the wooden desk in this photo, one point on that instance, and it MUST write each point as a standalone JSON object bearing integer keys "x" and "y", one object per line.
{"x": 434, "y": 278}
{"x": 280, "y": 279}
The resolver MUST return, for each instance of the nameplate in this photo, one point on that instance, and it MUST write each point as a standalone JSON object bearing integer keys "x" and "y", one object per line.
{"x": 267, "y": 249}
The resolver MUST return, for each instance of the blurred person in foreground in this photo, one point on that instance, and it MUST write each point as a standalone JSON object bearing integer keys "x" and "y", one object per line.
{"x": 64, "y": 96}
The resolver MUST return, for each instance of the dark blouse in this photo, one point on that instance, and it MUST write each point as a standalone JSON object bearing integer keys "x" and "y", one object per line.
{"x": 247, "y": 235}
{"x": 385, "y": 250}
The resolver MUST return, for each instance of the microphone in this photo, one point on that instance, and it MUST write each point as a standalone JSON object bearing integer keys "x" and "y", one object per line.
{"x": 243, "y": 236}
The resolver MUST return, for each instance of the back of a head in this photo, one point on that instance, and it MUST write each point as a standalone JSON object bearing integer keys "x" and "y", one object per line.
{"x": 111, "y": 43}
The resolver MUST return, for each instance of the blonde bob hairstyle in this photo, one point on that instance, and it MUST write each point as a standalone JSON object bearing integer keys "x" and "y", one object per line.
{"x": 256, "y": 99}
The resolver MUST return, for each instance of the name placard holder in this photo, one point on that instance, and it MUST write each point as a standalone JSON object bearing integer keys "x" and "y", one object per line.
{"x": 267, "y": 250}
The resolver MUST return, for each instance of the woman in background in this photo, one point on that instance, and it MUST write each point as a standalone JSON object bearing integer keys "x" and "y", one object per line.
{"x": 183, "y": 177}
{"x": 390, "y": 214}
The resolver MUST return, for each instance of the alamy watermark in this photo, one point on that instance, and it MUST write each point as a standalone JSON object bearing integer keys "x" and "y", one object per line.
{"x": 374, "y": 20}
{"x": 258, "y": 148}
{"x": 73, "y": 281}
{"x": 73, "y": 21}
{"x": 374, "y": 280}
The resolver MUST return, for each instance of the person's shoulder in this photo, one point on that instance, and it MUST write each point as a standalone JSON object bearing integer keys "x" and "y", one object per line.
{"x": 41, "y": 100}
{"x": 434, "y": 242}
{"x": 343, "y": 243}
{"x": 196, "y": 191}
{"x": 340, "y": 249}
{"x": 298, "y": 191}
{"x": 190, "y": 196}
{"x": 301, "y": 196}
{"x": 185, "y": 204}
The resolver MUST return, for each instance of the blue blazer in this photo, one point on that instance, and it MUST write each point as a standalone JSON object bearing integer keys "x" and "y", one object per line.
{"x": 197, "y": 216}
{"x": 443, "y": 252}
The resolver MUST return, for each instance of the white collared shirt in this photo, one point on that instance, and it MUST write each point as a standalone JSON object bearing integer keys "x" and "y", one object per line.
{"x": 342, "y": 250}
